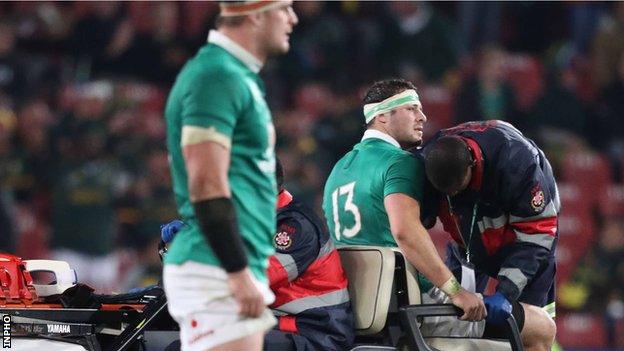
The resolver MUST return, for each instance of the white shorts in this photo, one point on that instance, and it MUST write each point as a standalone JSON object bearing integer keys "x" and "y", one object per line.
{"x": 199, "y": 299}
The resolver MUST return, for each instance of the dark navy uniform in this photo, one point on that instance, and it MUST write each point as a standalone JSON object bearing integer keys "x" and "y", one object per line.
{"x": 311, "y": 298}
{"x": 514, "y": 200}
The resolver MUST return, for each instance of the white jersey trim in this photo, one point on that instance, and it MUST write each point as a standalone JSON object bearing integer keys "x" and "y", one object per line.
{"x": 375, "y": 134}
{"x": 220, "y": 39}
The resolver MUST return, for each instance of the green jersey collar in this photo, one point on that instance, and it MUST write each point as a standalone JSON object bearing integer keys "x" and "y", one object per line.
{"x": 220, "y": 39}
{"x": 375, "y": 134}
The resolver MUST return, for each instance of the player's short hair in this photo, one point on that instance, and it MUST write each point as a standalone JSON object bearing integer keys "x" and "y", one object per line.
{"x": 279, "y": 175}
{"x": 229, "y": 21}
{"x": 384, "y": 89}
{"x": 447, "y": 163}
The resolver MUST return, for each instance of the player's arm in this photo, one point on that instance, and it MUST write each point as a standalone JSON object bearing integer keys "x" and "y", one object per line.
{"x": 207, "y": 167}
{"x": 533, "y": 218}
{"x": 414, "y": 241}
{"x": 403, "y": 214}
{"x": 402, "y": 187}
{"x": 209, "y": 191}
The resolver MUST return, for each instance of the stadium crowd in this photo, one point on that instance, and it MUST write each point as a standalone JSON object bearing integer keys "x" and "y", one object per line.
{"x": 82, "y": 87}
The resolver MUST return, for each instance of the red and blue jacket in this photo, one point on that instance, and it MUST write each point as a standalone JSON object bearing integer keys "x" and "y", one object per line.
{"x": 513, "y": 198}
{"x": 308, "y": 280}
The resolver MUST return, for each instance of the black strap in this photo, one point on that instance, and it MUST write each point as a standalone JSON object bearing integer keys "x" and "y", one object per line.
{"x": 79, "y": 296}
{"x": 217, "y": 219}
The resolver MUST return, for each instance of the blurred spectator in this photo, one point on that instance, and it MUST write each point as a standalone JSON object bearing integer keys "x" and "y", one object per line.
{"x": 28, "y": 175}
{"x": 597, "y": 285}
{"x": 583, "y": 20}
{"x": 366, "y": 42}
{"x": 338, "y": 129}
{"x": 172, "y": 53}
{"x": 88, "y": 111}
{"x": 602, "y": 273}
{"x": 317, "y": 44}
{"x": 559, "y": 107}
{"x": 479, "y": 25}
{"x": 33, "y": 153}
{"x": 417, "y": 36}
{"x": 7, "y": 124}
{"x": 198, "y": 18}
{"x": 110, "y": 44}
{"x": 533, "y": 26}
{"x": 157, "y": 205}
{"x": 608, "y": 46}
{"x": 487, "y": 94}
{"x": 83, "y": 213}
{"x": 91, "y": 41}
{"x": 12, "y": 78}
{"x": 610, "y": 114}
{"x": 132, "y": 53}
{"x": 85, "y": 188}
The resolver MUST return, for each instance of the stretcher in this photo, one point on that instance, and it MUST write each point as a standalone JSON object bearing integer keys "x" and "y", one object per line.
{"x": 53, "y": 312}
{"x": 128, "y": 325}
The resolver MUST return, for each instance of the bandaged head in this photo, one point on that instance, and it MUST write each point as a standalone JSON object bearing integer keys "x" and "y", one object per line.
{"x": 406, "y": 97}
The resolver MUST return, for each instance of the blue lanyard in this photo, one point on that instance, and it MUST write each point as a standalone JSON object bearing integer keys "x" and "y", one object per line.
{"x": 472, "y": 223}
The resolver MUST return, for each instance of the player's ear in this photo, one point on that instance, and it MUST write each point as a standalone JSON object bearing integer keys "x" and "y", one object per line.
{"x": 383, "y": 118}
{"x": 256, "y": 19}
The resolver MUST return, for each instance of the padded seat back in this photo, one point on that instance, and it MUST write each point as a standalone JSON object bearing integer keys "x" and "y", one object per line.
{"x": 370, "y": 270}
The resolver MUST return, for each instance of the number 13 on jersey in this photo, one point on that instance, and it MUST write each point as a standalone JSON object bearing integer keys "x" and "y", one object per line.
{"x": 350, "y": 210}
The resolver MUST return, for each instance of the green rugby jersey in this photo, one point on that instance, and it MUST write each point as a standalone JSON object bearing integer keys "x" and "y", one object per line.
{"x": 219, "y": 93}
{"x": 355, "y": 190}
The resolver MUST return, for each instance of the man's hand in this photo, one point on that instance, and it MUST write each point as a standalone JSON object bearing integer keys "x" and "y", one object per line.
{"x": 169, "y": 230}
{"x": 245, "y": 292}
{"x": 498, "y": 308}
{"x": 471, "y": 304}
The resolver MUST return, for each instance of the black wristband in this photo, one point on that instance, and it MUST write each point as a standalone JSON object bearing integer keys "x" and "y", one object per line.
{"x": 217, "y": 219}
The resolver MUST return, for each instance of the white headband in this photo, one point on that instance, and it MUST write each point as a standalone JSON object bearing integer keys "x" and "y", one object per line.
{"x": 407, "y": 97}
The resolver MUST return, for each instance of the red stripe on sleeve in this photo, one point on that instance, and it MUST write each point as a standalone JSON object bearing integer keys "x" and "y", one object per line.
{"x": 323, "y": 276}
{"x": 276, "y": 272}
{"x": 495, "y": 238}
{"x": 540, "y": 226}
